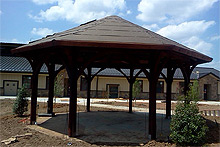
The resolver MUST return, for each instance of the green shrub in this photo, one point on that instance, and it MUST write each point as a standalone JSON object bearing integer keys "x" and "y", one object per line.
{"x": 136, "y": 89}
{"x": 187, "y": 126}
{"x": 58, "y": 86}
{"x": 21, "y": 102}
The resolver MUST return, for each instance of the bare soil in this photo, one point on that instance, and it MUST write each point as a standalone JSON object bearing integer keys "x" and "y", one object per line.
{"x": 12, "y": 125}
{"x": 160, "y": 106}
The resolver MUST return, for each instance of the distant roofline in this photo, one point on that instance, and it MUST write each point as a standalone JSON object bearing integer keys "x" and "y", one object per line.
{"x": 11, "y": 43}
{"x": 209, "y": 74}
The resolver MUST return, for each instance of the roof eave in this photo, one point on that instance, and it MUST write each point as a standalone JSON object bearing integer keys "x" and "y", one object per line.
{"x": 108, "y": 44}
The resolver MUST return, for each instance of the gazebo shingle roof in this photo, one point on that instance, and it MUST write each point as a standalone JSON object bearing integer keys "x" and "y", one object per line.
{"x": 110, "y": 30}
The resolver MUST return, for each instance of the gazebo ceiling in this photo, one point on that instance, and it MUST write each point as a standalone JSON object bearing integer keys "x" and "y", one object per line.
{"x": 111, "y": 34}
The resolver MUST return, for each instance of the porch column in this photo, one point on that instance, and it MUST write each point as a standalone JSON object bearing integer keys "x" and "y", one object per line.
{"x": 156, "y": 65}
{"x": 152, "y": 107}
{"x": 69, "y": 59}
{"x": 186, "y": 71}
{"x": 169, "y": 81}
{"x": 131, "y": 83}
{"x": 72, "y": 102}
{"x": 51, "y": 68}
{"x": 34, "y": 85}
{"x": 89, "y": 79}
{"x": 168, "y": 99}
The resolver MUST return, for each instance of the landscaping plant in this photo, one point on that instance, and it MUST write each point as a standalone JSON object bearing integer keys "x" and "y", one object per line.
{"x": 58, "y": 86}
{"x": 136, "y": 89}
{"x": 21, "y": 102}
{"x": 187, "y": 126}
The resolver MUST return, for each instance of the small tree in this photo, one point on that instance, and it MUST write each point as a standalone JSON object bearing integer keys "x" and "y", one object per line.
{"x": 21, "y": 102}
{"x": 58, "y": 85}
{"x": 187, "y": 126}
{"x": 136, "y": 89}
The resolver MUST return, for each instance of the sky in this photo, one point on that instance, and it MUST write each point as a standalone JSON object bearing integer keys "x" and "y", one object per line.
{"x": 193, "y": 23}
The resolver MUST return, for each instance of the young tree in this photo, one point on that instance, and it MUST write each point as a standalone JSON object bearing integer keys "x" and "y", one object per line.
{"x": 58, "y": 85}
{"x": 21, "y": 102}
{"x": 136, "y": 89}
{"x": 187, "y": 126}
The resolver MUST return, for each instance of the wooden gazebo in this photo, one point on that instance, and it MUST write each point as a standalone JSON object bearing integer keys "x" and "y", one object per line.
{"x": 111, "y": 42}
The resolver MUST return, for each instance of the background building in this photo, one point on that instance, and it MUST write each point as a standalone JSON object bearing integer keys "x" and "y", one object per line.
{"x": 16, "y": 71}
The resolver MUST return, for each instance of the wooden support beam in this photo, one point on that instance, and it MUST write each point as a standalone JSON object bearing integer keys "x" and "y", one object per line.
{"x": 152, "y": 107}
{"x": 169, "y": 80}
{"x": 131, "y": 83}
{"x": 73, "y": 77}
{"x": 34, "y": 85}
{"x": 89, "y": 80}
{"x": 156, "y": 66}
{"x": 131, "y": 79}
{"x": 51, "y": 70}
{"x": 69, "y": 60}
{"x": 186, "y": 71}
{"x": 36, "y": 64}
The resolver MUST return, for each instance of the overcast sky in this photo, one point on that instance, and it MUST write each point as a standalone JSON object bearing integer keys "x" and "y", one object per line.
{"x": 194, "y": 23}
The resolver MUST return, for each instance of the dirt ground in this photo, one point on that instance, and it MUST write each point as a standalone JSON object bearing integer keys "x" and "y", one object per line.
{"x": 10, "y": 125}
{"x": 160, "y": 106}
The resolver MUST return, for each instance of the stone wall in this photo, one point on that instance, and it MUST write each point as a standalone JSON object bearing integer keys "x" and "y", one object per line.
{"x": 1, "y": 91}
{"x": 212, "y": 81}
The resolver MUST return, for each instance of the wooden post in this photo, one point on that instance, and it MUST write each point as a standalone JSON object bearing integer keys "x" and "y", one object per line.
{"x": 168, "y": 99}
{"x": 156, "y": 66}
{"x": 152, "y": 107}
{"x": 88, "y": 88}
{"x": 72, "y": 102}
{"x": 186, "y": 71}
{"x": 51, "y": 68}
{"x": 130, "y": 96}
{"x": 169, "y": 81}
{"x": 131, "y": 82}
{"x": 34, "y": 85}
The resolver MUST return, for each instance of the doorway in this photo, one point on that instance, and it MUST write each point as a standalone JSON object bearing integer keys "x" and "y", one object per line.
{"x": 113, "y": 90}
{"x": 206, "y": 91}
{"x": 10, "y": 88}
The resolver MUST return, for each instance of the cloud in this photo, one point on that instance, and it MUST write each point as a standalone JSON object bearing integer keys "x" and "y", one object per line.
{"x": 128, "y": 12}
{"x": 171, "y": 11}
{"x": 185, "y": 30}
{"x": 188, "y": 34}
{"x": 198, "y": 44}
{"x": 152, "y": 27}
{"x": 213, "y": 38}
{"x": 80, "y": 11}
{"x": 213, "y": 64}
{"x": 0, "y": 12}
{"x": 42, "y": 31}
{"x": 43, "y": 2}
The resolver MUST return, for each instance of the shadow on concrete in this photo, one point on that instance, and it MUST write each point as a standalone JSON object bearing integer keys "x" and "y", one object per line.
{"x": 110, "y": 128}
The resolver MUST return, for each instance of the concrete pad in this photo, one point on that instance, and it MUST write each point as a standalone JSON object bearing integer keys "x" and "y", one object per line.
{"x": 101, "y": 127}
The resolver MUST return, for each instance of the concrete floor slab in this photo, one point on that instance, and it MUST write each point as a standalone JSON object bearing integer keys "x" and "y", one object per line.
{"x": 101, "y": 127}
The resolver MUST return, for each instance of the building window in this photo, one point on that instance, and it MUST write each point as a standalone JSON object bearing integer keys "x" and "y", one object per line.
{"x": 83, "y": 84}
{"x": 26, "y": 81}
{"x": 47, "y": 82}
{"x": 160, "y": 87}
